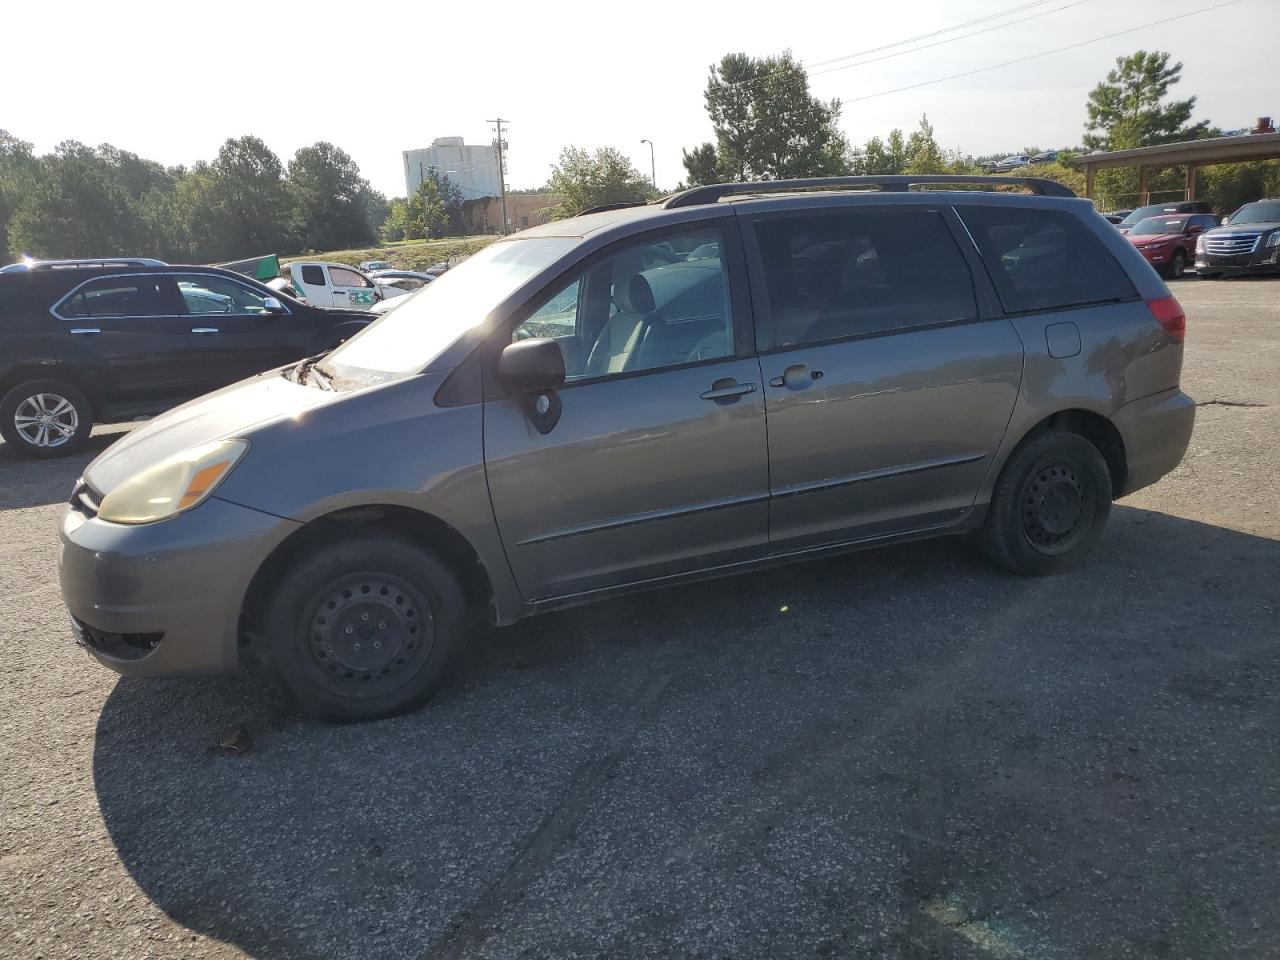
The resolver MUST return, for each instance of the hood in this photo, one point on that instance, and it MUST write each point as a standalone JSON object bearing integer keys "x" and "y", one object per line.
{"x": 1230, "y": 228}
{"x": 234, "y": 411}
{"x": 1148, "y": 239}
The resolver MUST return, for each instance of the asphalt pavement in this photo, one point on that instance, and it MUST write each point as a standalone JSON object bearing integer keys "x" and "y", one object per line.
{"x": 902, "y": 753}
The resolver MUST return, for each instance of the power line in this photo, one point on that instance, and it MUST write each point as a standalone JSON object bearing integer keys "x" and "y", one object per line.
{"x": 939, "y": 43}
{"x": 935, "y": 33}
{"x": 1045, "y": 53}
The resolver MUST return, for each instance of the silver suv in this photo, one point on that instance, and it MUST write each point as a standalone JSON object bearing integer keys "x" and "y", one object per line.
{"x": 737, "y": 376}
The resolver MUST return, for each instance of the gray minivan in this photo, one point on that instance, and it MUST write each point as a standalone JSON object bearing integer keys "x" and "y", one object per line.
{"x": 736, "y": 376}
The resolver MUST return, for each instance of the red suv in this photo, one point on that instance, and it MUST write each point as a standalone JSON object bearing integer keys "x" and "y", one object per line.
{"x": 1169, "y": 241}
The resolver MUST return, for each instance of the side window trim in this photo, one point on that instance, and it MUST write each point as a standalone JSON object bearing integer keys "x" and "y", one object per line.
{"x": 986, "y": 305}
{"x": 740, "y": 302}
{"x": 172, "y": 307}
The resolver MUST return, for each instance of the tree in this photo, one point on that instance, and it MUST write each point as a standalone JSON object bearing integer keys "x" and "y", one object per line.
{"x": 879, "y": 158}
{"x": 331, "y": 200}
{"x": 767, "y": 125}
{"x": 428, "y": 214}
{"x": 76, "y": 207}
{"x": 701, "y": 165}
{"x": 239, "y": 205}
{"x": 923, "y": 153}
{"x": 17, "y": 176}
{"x": 451, "y": 196}
{"x": 584, "y": 179}
{"x": 1128, "y": 109}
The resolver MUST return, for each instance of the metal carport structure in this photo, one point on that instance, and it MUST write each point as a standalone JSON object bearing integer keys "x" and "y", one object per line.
{"x": 1190, "y": 154}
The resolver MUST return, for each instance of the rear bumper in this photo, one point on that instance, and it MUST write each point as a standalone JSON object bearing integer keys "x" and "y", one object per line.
{"x": 163, "y": 599}
{"x": 1156, "y": 432}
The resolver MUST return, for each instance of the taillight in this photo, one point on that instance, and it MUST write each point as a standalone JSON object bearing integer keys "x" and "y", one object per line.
{"x": 1170, "y": 315}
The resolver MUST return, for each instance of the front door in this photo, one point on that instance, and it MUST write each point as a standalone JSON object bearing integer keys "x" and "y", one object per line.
{"x": 232, "y": 331}
{"x": 313, "y": 284}
{"x": 351, "y": 289}
{"x": 888, "y": 390}
{"x": 652, "y": 459}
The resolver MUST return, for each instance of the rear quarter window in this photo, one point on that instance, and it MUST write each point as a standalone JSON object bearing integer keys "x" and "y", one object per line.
{"x": 1044, "y": 259}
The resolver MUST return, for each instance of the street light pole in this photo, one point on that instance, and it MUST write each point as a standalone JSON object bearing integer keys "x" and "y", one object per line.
{"x": 653, "y": 170}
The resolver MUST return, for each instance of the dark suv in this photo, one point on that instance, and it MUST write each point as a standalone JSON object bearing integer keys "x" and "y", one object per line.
{"x": 93, "y": 340}
{"x": 740, "y": 375}
{"x": 1248, "y": 242}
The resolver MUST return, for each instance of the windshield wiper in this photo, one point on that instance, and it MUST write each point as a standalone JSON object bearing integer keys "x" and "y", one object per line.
{"x": 298, "y": 372}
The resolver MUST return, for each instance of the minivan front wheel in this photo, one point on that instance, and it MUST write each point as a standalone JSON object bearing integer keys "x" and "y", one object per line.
{"x": 364, "y": 628}
{"x": 1049, "y": 506}
{"x": 45, "y": 418}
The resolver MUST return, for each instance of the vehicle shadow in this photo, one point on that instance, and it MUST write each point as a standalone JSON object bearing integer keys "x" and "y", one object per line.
{"x": 25, "y": 482}
{"x": 847, "y": 756}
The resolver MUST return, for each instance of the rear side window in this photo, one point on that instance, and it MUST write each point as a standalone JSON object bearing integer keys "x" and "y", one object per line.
{"x": 313, "y": 276}
{"x": 832, "y": 275}
{"x": 1044, "y": 259}
{"x": 139, "y": 296}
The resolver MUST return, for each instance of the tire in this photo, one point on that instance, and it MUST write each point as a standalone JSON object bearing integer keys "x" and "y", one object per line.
{"x": 1177, "y": 265}
{"x": 1049, "y": 506}
{"x": 364, "y": 628}
{"x": 23, "y": 423}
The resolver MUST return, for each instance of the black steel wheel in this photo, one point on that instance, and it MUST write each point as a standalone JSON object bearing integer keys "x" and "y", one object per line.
{"x": 364, "y": 628}
{"x": 1049, "y": 506}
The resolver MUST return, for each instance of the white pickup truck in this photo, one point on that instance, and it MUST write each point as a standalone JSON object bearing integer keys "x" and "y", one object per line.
{"x": 337, "y": 285}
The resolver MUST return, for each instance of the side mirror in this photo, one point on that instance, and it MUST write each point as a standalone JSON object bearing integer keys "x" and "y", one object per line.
{"x": 272, "y": 305}
{"x": 530, "y": 365}
{"x": 1195, "y": 229}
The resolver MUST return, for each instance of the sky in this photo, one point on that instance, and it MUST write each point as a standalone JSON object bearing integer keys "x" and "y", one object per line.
{"x": 172, "y": 81}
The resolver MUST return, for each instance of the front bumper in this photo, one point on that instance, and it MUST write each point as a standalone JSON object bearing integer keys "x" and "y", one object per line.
{"x": 1156, "y": 432}
{"x": 1262, "y": 261}
{"x": 164, "y": 599}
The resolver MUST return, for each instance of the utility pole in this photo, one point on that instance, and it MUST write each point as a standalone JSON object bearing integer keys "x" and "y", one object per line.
{"x": 653, "y": 170}
{"x": 502, "y": 174}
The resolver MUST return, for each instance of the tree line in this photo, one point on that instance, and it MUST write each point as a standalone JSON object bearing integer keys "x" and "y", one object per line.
{"x": 81, "y": 201}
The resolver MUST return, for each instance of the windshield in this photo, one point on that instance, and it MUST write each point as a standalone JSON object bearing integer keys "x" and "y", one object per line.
{"x": 1158, "y": 225}
{"x": 1262, "y": 211}
{"x": 409, "y": 337}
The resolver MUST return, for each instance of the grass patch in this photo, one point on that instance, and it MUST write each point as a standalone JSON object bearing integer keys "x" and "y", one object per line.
{"x": 404, "y": 255}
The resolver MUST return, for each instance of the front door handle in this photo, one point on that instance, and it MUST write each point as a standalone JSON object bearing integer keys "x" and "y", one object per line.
{"x": 728, "y": 389}
{"x": 85, "y": 331}
{"x": 204, "y": 329}
{"x": 796, "y": 377}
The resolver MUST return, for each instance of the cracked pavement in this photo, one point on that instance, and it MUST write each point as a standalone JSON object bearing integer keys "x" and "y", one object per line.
{"x": 900, "y": 753}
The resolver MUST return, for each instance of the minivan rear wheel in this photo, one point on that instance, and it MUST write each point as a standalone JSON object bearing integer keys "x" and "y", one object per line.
{"x": 1049, "y": 506}
{"x": 45, "y": 418}
{"x": 364, "y": 628}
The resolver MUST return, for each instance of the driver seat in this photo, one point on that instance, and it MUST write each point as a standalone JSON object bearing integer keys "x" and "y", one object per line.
{"x": 623, "y": 333}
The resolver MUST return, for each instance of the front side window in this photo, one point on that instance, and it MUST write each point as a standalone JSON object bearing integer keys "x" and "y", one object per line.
{"x": 831, "y": 275}
{"x": 205, "y": 294}
{"x": 1042, "y": 259}
{"x": 140, "y": 296}
{"x": 344, "y": 277}
{"x": 648, "y": 306}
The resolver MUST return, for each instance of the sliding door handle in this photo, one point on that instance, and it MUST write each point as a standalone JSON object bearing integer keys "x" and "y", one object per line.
{"x": 728, "y": 389}
{"x": 204, "y": 329}
{"x": 85, "y": 331}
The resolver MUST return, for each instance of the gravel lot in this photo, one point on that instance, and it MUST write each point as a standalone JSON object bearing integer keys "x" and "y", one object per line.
{"x": 902, "y": 753}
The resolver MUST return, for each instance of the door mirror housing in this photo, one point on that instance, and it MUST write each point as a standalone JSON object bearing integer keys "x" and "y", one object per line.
{"x": 1193, "y": 230}
{"x": 531, "y": 365}
{"x": 273, "y": 306}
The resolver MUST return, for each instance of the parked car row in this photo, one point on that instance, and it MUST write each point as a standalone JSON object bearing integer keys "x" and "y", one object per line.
{"x": 587, "y": 408}
{"x": 1172, "y": 236}
{"x": 1019, "y": 160}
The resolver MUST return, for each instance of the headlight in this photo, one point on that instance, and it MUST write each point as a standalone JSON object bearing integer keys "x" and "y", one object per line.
{"x": 1273, "y": 240}
{"x": 173, "y": 485}
{"x": 1200, "y": 244}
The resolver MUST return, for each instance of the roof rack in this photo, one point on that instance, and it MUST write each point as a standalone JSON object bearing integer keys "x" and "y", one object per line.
{"x": 891, "y": 184}
{"x": 605, "y": 207}
{"x": 72, "y": 264}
